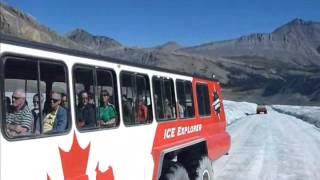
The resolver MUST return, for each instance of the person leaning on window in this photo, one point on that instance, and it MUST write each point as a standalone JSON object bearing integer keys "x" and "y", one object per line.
{"x": 107, "y": 111}
{"x": 85, "y": 111}
{"x": 20, "y": 121}
{"x": 56, "y": 120}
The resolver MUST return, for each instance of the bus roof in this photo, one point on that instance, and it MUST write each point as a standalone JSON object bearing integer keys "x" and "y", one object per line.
{"x": 4, "y": 38}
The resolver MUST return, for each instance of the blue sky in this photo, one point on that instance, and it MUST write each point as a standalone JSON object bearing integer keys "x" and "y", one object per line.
{"x": 147, "y": 23}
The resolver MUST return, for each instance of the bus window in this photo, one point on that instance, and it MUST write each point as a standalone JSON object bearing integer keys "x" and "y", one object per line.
{"x": 169, "y": 99}
{"x": 185, "y": 99}
{"x": 164, "y": 98}
{"x": 136, "y": 101}
{"x": 55, "y": 118}
{"x": 107, "y": 94}
{"x": 144, "y": 107}
{"x": 158, "y": 100}
{"x": 203, "y": 99}
{"x": 189, "y": 100}
{"x": 96, "y": 98}
{"x": 84, "y": 92}
{"x": 29, "y": 84}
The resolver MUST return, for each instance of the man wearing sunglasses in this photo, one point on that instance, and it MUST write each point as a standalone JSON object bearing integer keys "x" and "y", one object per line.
{"x": 56, "y": 120}
{"x": 20, "y": 121}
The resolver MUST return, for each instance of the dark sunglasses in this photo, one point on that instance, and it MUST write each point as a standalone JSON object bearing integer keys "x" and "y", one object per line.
{"x": 54, "y": 100}
{"x": 36, "y": 102}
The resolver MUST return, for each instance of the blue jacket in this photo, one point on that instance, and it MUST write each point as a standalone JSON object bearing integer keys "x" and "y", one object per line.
{"x": 61, "y": 122}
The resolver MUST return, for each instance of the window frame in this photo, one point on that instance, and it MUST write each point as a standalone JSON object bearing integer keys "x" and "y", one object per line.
{"x": 115, "y": 95}
{"x": 134, "y": 82}
{"x": 185, "y": 82}
{"x": 75, "y": 94}
{"x": 173, "y": 96}
{"x": 113, "y": 75}
{"x": 204, "y": 104}
{"x": 94, "y": 69}
{"x": 38, "y": 60}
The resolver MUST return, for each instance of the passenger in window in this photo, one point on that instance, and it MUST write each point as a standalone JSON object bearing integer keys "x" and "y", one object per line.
{"x": 37, "y": 102}
{"x": 167, "y": 109}
{"x": 56, "y": 120}
{"x": 64, "y": 101}
{"x": 47, "y": 104}
{"x": 91, "y": 100}
{"x": 142, "y": 111}
{"x": 156, "y": 106}
{"x": 181, "y": 109}
{"x": 20, "y": 120}
{"x": 8, "y": 105}
{"x": 85, "y": 111}
{"x": 107, "y": 111}
{"x": 127, "y": 109}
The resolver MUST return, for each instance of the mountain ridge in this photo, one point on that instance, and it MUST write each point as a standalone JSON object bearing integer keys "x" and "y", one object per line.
{"x": 290, "y": 43}
{"x": 99, "y": 43}
{"x": 168, "y": 46}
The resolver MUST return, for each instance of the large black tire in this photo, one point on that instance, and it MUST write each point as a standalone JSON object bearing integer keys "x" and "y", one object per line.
{"x": 205, "y": 169}
{"x": 173, "y": 171}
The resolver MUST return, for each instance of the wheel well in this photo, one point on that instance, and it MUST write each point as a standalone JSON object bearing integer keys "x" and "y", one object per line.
{"x": 196, "y": 150}
{"x": 188, "y": 156}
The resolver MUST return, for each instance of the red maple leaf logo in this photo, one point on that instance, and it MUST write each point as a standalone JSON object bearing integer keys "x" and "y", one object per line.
{"x": 107, "y": 175}
{"x": 74, "y": 163}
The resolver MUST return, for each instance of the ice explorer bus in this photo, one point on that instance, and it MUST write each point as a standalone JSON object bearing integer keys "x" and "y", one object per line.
{"x": 95, "y": 117}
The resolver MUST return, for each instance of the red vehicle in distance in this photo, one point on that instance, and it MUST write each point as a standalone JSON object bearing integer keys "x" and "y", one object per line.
{"x": 261, "y": 108}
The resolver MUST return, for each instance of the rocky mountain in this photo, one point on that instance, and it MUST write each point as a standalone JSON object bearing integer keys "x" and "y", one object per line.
{"x": 281, "y": 67}
{"x": 16, "y": 23}
{"x": 169, "y": 46}
{"x": 96, "y": 43}
{"x": 296, "y": 44}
